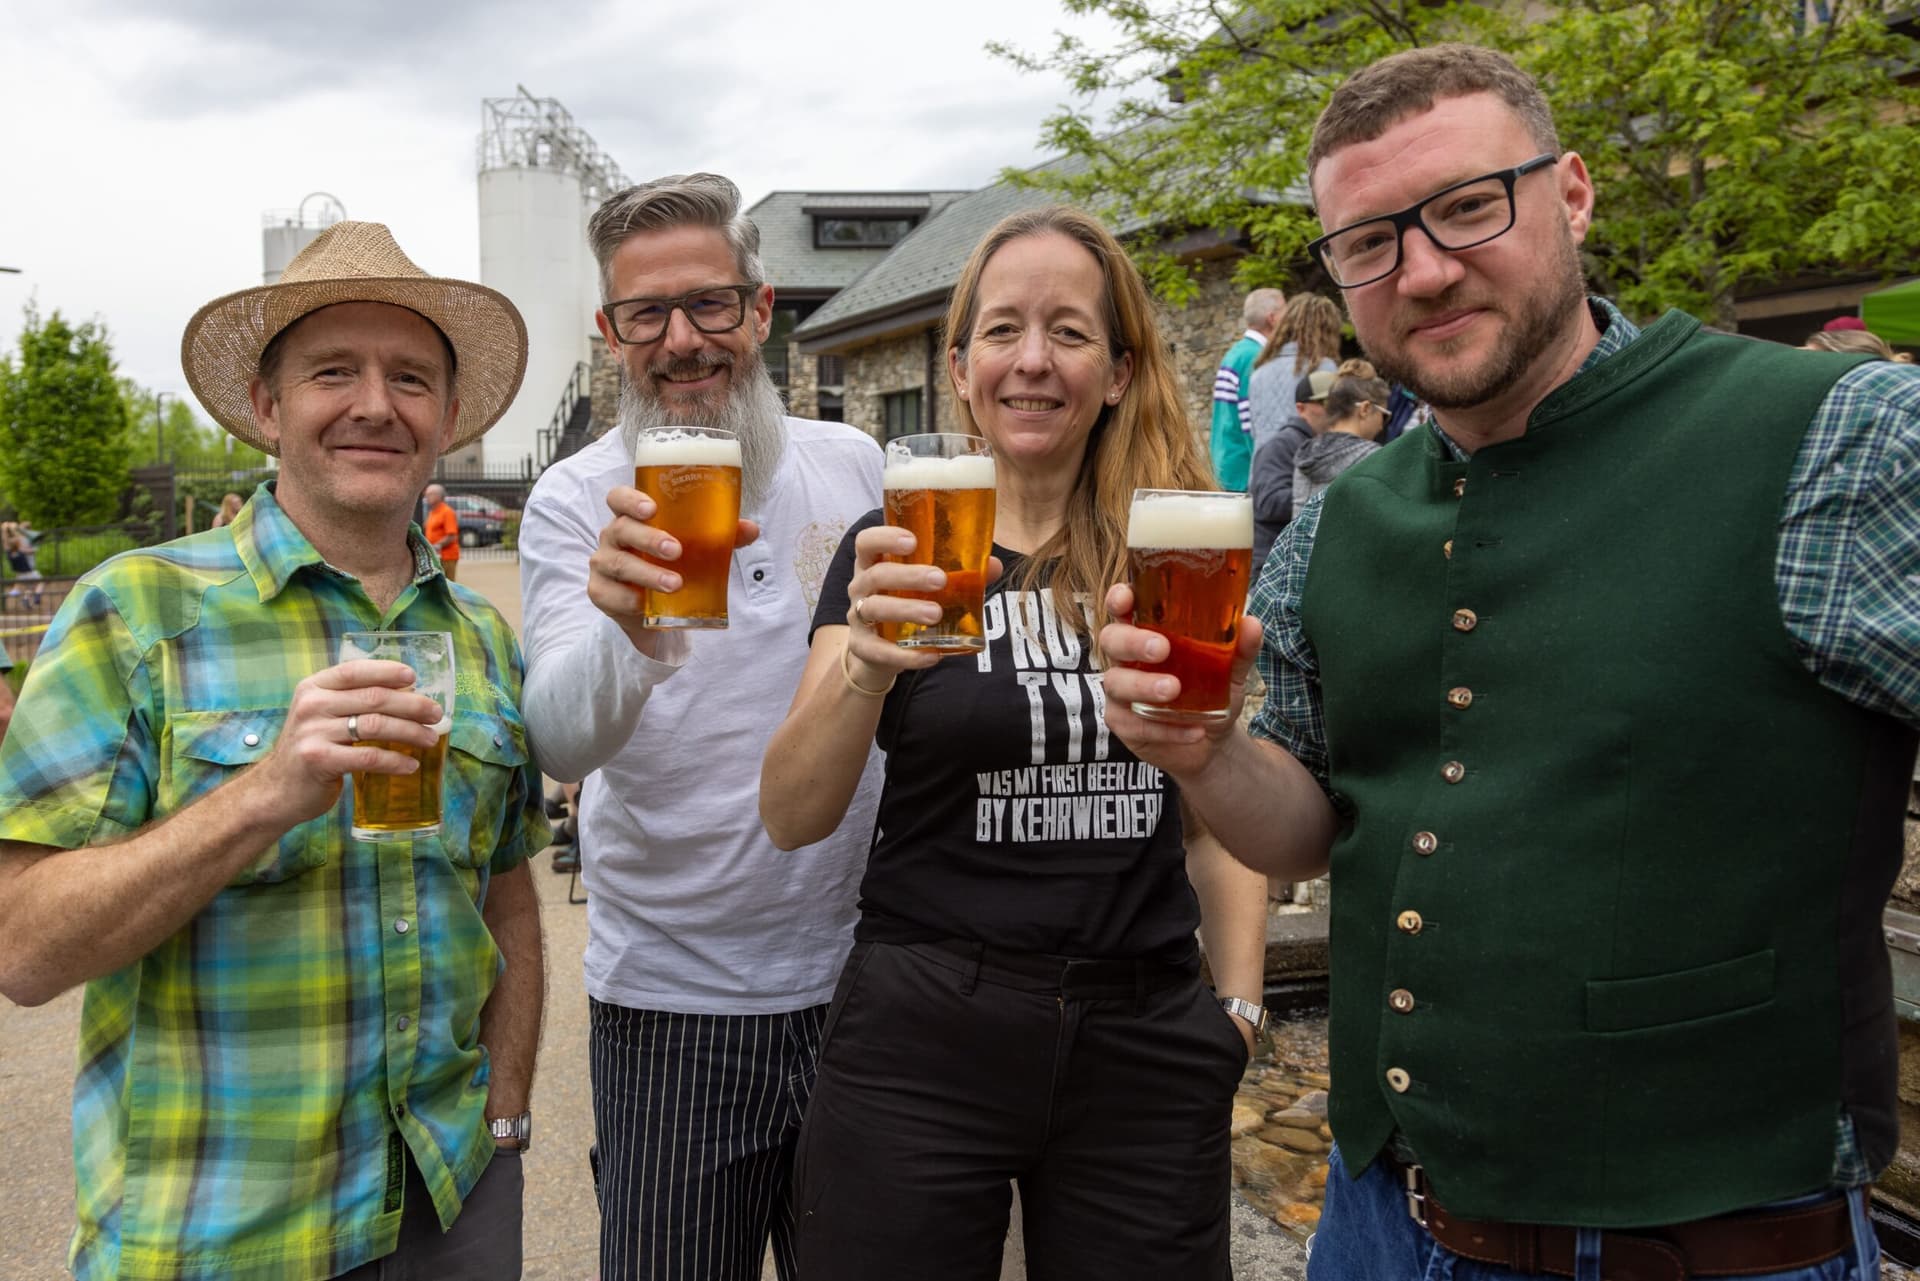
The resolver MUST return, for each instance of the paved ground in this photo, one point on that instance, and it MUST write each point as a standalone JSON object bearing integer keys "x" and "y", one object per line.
{"x": 562, "y": 1224}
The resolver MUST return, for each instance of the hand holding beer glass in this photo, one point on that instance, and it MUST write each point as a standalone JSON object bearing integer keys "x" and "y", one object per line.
{"x": 939, "y": 487}
{"x": 386, "y": 806}
{"x": 1191, "y": 554}
{"x": 692, "y": 474}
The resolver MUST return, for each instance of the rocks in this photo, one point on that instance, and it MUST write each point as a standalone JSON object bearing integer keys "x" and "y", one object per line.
{"x": 1314, "y": 1101}
{"x": 1299, "y": 1140}
{"x": 1246, "y": 1118}
{"x": 1280, "y": 1133}
{"x": 1295, "y": 1119}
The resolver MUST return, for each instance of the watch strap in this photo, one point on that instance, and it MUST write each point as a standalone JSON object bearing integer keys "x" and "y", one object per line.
{"x": 1254, "y": 1014}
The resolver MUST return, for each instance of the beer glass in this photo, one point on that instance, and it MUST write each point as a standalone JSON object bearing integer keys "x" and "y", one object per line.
{"x": 693, "y": 476}
{"x": 1191, "y": 553}
{"x": 939, "y": 485}
{"x": 386, "y": 806}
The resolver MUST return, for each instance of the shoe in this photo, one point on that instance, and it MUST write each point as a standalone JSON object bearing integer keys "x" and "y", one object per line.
{"x": 566, "y": 858}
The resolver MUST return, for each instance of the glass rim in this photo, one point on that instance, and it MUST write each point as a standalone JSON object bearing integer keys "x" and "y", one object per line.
{"x": 690, "y": 429}
{"x": 979, "y": 443}
{"x": 394, "y": 633}
{"x": 1238, "y": 495}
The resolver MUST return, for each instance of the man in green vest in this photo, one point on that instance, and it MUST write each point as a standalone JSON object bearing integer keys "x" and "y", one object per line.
{"x": 1599, "y": 694}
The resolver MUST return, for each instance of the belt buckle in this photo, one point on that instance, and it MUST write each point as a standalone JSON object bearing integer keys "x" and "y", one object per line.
{"x": 1416, "y": 1199}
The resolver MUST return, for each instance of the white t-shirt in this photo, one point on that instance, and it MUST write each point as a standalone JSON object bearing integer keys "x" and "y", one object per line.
{"x": 690, "y": 906}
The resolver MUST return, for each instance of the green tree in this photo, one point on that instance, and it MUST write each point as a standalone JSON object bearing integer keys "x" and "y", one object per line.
{"x": 1732, "y": 144}
{"x": 166, "y": 429}
{"x": 63, "y": 426}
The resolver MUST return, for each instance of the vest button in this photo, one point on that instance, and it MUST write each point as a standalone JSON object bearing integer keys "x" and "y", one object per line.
{"x": 1398, "y": 1080}
{"x": 1425, "y": 842}
{"x": 1453, "y": 771}
{"x": 1446, "y": 549}
{"x": 1465, "y": 620}
{"x": 1409, "y": 921}
{"x": 1401, "y": 1000}
{"x": 1460, "y": 696}
{"x": 1460, "y": 487}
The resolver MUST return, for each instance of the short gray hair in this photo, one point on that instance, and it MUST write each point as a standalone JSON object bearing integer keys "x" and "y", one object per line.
{"x": 677, "y": 200}
{"x": 1261, "y": 306}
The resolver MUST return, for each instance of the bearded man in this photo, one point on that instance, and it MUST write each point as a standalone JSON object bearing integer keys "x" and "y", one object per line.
{"x": 711, "y": 955}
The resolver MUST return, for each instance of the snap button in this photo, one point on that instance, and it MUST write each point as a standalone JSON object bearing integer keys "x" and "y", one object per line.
{"x": 1460, "y": 696}
{"x": 1453, "y": 771}
{"x": 403, "y": 1023}
{"x": 759, "y": 575}
{"x": 1409, "y": 922}
{"x": 1401, "y": 1000}
{"x": 1465, "y": 620}
{"x": 401, "y": 926}
{"x": 1425, "y": 842}
{"x": 251, "y": 740}
{"x": 1398, "y": 1080}
{"x": 1446, "y": 549}
{"x": 497, "y": 740}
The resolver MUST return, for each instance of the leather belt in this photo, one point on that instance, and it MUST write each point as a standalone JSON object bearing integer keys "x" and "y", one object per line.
{"x": 1730, "y": 1245}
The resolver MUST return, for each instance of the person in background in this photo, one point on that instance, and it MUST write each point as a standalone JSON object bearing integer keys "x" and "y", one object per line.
{"x": 1307, "y": 341}
{"x": 442, "y": 528}
{"x": 17, "y": 541}
{"x": 229, "y": 508}
{"x": 6, "y": 692}
{"x": 1356, "y": 413}
{"x": 1270, "y": 484}
{"x": 1854, "y": 340}
{"x": 1232, "y": 428}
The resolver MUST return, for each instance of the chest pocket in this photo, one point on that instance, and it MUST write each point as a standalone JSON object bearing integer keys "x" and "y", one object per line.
{"x": 486, "y": 759}
{"x": 209, "y": 749}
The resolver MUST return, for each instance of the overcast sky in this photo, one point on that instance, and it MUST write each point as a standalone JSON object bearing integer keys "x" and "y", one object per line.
{"x": 140, "y": 150}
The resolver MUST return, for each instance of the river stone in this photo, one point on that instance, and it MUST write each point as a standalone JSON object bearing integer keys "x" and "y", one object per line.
{"x": 1295, "y": 1119}
{"x": 1246, "y": 1119}
{"x": 1302, "y": 1141}
{"x": 1314, "y": 1101}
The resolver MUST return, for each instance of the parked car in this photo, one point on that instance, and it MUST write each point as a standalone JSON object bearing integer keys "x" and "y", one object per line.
{"x": 481, "y": 521}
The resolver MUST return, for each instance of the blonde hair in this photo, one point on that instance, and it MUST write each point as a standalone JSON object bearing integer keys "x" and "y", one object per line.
{"x": 1312, "y": 324}
{"x": 1850, "y": 340}
{"x": 1142, "y": 442}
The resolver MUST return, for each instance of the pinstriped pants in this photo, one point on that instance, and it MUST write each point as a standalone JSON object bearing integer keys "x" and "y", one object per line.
{"x": 695, "y": 1121}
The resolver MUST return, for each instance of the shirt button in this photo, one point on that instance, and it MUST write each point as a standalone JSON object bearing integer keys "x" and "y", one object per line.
{"x": 759, "y": 575}
{"x": 400, "y": 1109}
{"x": 1452, "y": 771}
{"x": 1398, "y": 1080}
{"x": 1460, "y": 487}
{"x": 1401, "y": 1000}
{"x": 403, "y": 1023}
{"x": 400, "y": 926}
{"x": 1460, "y": 696}
{"x": 496, "y": 740}
{"x": 1446, "y": 549}
{"x": 1425, "y": 842}
{"x": 1465, "y": 620}
{"x": 251, "y": 740}
{"x": 1408, "y": 921}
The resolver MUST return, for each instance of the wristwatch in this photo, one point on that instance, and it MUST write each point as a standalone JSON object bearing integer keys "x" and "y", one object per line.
{"x": 513, "y": 1127}
{"x": 1254, "y": 1014}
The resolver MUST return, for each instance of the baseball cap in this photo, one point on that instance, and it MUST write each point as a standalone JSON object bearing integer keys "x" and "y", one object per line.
{"x": 1314, "y": 386}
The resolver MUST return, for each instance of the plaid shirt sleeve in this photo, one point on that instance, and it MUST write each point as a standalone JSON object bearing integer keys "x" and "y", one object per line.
{"x": 1849, "y": 559}
{"x": 1292, "y": 715}
{"x": 79, "y": 763}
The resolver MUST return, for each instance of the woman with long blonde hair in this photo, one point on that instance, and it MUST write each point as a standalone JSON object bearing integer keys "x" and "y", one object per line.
{"x": 1023, "y": 1001}
{"x": 1306, "y": 342}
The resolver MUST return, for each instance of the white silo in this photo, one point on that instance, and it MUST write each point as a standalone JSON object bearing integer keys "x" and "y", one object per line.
{"x": 540, "y": 179}
{"x": 285, "y": 232}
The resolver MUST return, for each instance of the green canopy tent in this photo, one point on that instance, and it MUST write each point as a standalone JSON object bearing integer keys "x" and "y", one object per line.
{"x": 1894, "y": 313}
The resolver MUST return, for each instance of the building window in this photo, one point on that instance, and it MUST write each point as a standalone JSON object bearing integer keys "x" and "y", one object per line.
{"x": 900, "y": 411}
{"x": 859, "y": 233}
{"x": 774, "y": 350}
{"x": 832, "y": 410}
{"x": 833, "y": 371}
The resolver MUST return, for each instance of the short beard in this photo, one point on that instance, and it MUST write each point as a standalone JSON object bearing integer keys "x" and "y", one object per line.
{"x": 1538, "y": 323}
{"x": 749, "y": 406}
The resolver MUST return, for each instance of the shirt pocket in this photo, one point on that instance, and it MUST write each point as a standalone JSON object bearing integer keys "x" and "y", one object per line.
{"x": 209, "y": 749}
{"x": 487, "y": 754}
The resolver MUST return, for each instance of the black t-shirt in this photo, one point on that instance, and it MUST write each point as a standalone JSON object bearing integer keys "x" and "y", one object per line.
{"x": 1010, "y": 815}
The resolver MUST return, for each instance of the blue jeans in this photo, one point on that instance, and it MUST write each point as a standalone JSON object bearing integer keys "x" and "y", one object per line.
{"x": 1366, "y": 1234}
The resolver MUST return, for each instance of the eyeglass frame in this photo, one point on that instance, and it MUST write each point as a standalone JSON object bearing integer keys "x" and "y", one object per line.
{"x": 678, "y": 303}
{"x": 1409, "y": 218}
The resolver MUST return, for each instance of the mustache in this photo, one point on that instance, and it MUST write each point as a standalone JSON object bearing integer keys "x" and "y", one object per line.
{"x": 695, "y": 365}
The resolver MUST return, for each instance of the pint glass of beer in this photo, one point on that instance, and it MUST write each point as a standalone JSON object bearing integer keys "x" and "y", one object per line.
{"x": 940, "y": 487}
{"x": 386, "y": 806}
{"x": 693, "y": 476}
{"x": 1191, "y": 554}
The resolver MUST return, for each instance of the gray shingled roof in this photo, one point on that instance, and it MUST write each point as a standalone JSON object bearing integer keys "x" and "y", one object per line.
{"x": 787, "y": 251}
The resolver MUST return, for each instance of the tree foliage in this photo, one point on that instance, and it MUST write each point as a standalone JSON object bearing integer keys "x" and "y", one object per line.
{"x": 166, "y": 429}
{"x": 63, "y": 426}
{"x": 1732, "y": 143}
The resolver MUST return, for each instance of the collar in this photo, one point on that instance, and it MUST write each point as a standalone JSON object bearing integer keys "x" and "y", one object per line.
{"x": 1257, "y": 336}
{"x": 273, "y": 549}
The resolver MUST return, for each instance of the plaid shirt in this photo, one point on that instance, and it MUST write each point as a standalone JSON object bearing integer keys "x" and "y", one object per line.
{"x": 1849, "y": 554}
{"x": 248, "y": 1091}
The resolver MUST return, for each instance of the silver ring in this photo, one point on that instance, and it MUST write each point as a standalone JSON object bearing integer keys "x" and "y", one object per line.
{"x": 353, "y": 729}
{"x": 858, "y": 606}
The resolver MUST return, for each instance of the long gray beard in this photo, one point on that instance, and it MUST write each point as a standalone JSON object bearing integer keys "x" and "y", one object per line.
{"x": 752, "y": 411}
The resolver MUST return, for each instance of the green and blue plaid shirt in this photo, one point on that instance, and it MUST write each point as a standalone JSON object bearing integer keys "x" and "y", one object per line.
{"x": 1848, "y": 560}
{"x": 248, "y": 1092}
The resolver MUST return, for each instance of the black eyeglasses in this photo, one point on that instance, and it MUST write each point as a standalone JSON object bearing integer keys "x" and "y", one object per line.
{"x": 718, "y": 309}
{"x": 1458, "y": 217}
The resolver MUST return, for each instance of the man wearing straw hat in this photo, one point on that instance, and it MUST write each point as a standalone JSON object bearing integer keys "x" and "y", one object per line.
{"x": 300, "y": 1053}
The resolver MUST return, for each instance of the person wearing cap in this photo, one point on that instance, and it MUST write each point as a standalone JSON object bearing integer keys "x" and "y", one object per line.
{"x": 711, "y": 953}
{"x": 1270, "y": 482}
{"x": 1354, "y": 414}
{"x": 1603, "y": 723}
{"x": 302, "y": 1055}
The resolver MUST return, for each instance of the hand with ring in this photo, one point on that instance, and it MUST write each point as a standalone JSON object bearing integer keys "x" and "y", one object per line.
{"x": 879, "y": 578}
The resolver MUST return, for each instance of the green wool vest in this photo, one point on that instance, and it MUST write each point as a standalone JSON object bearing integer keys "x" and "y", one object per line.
{"x": 1606, "y": 899}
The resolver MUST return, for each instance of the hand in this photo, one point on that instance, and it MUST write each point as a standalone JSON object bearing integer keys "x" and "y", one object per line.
{"x": 1246, "y": 1031}
{"x": 1177, "y": 749}
{"x": 874, "y": 599}
{"x": 302, "y": 774}
{"x": 632, "y": 555}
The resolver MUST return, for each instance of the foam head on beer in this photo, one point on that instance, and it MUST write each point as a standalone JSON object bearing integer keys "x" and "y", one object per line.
{"x": 1190, "y": 521}
{"x": 966, "y": 471}
{"x": 669, "y": 448}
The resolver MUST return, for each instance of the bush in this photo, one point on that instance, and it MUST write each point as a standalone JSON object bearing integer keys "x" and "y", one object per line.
{"x": 70, "y": 557}
{"x": 510, "y": 532}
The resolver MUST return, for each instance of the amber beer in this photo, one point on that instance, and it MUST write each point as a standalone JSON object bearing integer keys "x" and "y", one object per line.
{"x": 402, "y": 804}
{"x": 939, "y": 486}
{"x": 693, "y": 476}
{"x": 1191, "y": 555}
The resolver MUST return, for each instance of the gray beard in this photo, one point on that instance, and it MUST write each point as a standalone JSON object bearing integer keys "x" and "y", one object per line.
{"x": 750, "y": 408}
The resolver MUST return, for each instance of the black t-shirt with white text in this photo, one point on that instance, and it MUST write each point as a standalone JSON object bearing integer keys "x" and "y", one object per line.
{"x": 1010, "y": 816}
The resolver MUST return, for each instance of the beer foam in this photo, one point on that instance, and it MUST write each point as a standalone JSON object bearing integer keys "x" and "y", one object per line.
{"x": 969, "y": 471}
{"x": 1197, "y": 521}
{"x": 443, "y": 726}
{"x": 684, "y": 449}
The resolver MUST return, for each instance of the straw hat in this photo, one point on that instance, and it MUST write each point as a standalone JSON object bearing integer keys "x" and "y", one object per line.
{"x": 356, "y": 262}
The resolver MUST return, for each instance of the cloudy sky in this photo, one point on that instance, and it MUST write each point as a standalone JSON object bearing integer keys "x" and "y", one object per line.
{"x": 143, "y": 139}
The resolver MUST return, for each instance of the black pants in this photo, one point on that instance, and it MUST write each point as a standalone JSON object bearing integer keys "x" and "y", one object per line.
{"x": 1105, "y": 1091}
{"x": 695, "y": 1118}
{"x": 482, "y": 1245}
